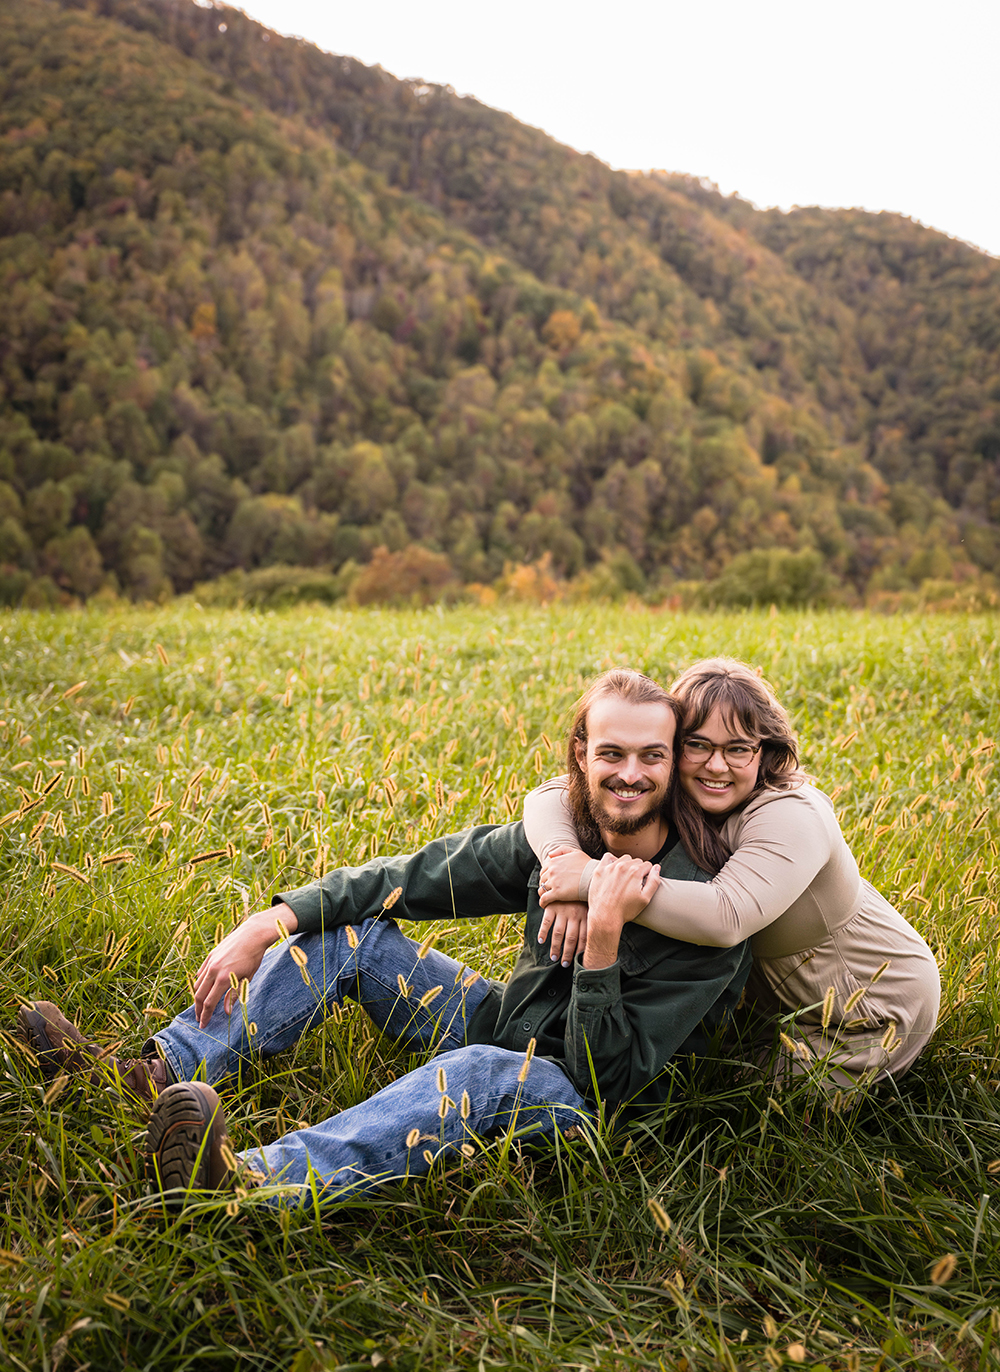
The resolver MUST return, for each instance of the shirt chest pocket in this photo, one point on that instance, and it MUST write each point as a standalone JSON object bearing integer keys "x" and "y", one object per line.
{"x": 634, "y": 951}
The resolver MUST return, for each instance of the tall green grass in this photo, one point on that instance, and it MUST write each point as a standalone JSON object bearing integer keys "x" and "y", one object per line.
{"x": 285, "y": 744}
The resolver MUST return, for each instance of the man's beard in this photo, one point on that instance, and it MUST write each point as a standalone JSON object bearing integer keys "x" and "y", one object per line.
{"x": 591, "y": 817}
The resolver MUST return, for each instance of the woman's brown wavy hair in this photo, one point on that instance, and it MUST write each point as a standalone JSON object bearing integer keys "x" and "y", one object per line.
{"x": 749, "y": 707}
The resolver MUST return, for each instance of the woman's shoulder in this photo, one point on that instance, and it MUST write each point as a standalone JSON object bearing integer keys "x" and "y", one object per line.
{"x": 777, "y": 806}
{"x": 559, "y": 783}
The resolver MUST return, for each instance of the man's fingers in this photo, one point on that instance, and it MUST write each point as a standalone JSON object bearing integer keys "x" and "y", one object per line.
{"x": 546, "y": 925}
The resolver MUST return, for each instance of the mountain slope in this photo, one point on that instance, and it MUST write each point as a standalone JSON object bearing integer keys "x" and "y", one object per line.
{"x": 229, "y": 342}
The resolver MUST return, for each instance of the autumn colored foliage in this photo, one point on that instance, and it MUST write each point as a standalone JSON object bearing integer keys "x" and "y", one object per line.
{"x": 267, "y": 307}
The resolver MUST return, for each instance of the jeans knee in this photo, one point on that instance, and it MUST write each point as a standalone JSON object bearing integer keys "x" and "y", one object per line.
{"x": 482, "y": 1064}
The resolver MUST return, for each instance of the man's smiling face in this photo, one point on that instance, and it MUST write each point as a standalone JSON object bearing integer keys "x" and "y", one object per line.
{"x": 627, "y": 762}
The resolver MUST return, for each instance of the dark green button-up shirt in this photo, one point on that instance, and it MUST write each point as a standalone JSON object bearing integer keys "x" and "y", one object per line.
{"x": 617, "y": 1027}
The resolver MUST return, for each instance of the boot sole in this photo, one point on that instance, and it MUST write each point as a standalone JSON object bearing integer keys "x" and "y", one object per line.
{"x": 183, "y": 1137}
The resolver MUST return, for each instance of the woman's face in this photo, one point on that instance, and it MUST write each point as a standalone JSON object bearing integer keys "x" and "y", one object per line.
{"x": 711, "y": 780}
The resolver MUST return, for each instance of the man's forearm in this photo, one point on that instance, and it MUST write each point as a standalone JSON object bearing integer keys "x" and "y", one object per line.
{"x": 603, "y": 936}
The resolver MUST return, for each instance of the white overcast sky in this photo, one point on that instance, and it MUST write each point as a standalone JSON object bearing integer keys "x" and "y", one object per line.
{"x": 885, "y": 104}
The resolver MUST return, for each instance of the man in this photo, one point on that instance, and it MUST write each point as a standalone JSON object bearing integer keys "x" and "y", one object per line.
{"x": 536, "y": 1053}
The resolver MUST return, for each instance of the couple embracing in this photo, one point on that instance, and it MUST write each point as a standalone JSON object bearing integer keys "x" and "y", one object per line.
{"x": 684, "y": 871}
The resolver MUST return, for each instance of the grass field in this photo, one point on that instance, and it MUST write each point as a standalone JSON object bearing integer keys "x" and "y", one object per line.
{"x": 135, "y": 745}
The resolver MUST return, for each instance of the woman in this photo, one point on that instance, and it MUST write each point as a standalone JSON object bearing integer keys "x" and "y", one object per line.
{"x": 863, "y": 986}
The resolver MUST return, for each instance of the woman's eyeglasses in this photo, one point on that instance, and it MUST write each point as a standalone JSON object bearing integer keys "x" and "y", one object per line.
{"x": 735, "y": 754}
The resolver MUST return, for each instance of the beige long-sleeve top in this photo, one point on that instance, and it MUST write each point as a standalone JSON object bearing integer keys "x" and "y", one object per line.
{"x": 792, "y": 886}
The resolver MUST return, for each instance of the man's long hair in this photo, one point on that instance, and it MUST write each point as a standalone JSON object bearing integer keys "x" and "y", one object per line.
{"x": 633, "y": 688}
{"x": 748, "y": 706}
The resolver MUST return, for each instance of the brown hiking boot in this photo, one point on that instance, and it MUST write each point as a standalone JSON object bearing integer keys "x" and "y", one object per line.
{"x": 60, "y": 1047}
{"x": 187, "y": 1146}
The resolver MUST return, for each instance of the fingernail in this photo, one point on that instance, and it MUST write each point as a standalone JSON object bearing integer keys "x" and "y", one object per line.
{"x": 553, "y": 957}
{"x": 565, "y": 964}
{"x": 541, "y": 938}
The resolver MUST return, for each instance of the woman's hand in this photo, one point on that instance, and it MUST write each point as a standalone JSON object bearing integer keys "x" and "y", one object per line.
{"x": 622, "y": 887}
{"x": 238, "y": 955}
{"x": 560, "y": 876}
{"x": 568, "y": 922}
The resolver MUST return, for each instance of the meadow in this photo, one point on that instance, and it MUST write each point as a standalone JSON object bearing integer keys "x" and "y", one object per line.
{"x": 165, "y": 771}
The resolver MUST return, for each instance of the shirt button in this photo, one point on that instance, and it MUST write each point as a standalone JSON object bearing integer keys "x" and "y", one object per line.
{"x": 552, "y": 990}
{"x": 526, "y": 1024}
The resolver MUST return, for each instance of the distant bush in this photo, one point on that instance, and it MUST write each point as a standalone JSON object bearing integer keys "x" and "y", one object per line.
{"x": 616, "y": 575}
{"x": 412, "y": 576}
{"x": 938, "y": 596}
{"x": 274, "y": 587}
{"x": 532, "y": 581}
{"x": 770, "y": 576}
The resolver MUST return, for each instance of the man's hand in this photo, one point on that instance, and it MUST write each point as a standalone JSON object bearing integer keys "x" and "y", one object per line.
{"x": 239, "y": 954}
{"x": 568, "y": 922}
{"x": 560, "y": 876}
{"x": 621, "y": 888}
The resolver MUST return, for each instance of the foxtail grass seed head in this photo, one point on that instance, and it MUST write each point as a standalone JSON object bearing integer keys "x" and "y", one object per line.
{"x": 944, "y": 1269}
{"x": 244, "y": 991}
{"x": 233, "y": 1209}
{"x": 828, "y": 1000}
{"x": 442, "y": 1080}
{"x": 888, "y": 1038}
{"x": 228, "y": 1156}
{"x": 297, "y": 955}
{"x": 428, "y": 1157}
{"x": 852, "y": 1000}
{"x": 413, "y": 1138}
{"x": 770, "y": 1328}
{"x": 71, "y": 872}
{"x": 282, "y": 931}
{"x": 880, "y": 971}
{"x": 788, "y": 1043}
{"x": 993, "y": 1168}
{"x": 116, "y": 1302}
{"x": 660, "y": 1217}
{"x": 772, "y": 1104}
{"x": 107, "y": 804}
{"x": 429, "y": 996}
{"x": 428, "y": 943}
{"x": 392, "y": 897}
{"x": 56, "y": 1089}
{"x": 471, "y": 980}
{"x": 234, "y": 982}
{"x": 443, "y": 1106}
{"x": 161, "y": 653}
{"x": 465, "y": 1109}
{"x": 404, "y": 990}
{"x": 351, "y": 936}
{"x": 467, "y": 1150}
{"x": 796, "y": 1352}
{"x": 522, "y": 1076}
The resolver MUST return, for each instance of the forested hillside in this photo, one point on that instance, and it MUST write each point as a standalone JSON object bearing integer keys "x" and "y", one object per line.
{"x": 264, "y": 305}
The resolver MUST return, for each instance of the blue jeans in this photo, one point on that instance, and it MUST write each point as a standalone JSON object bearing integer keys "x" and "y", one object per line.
{"x": 403, "y": 1128}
